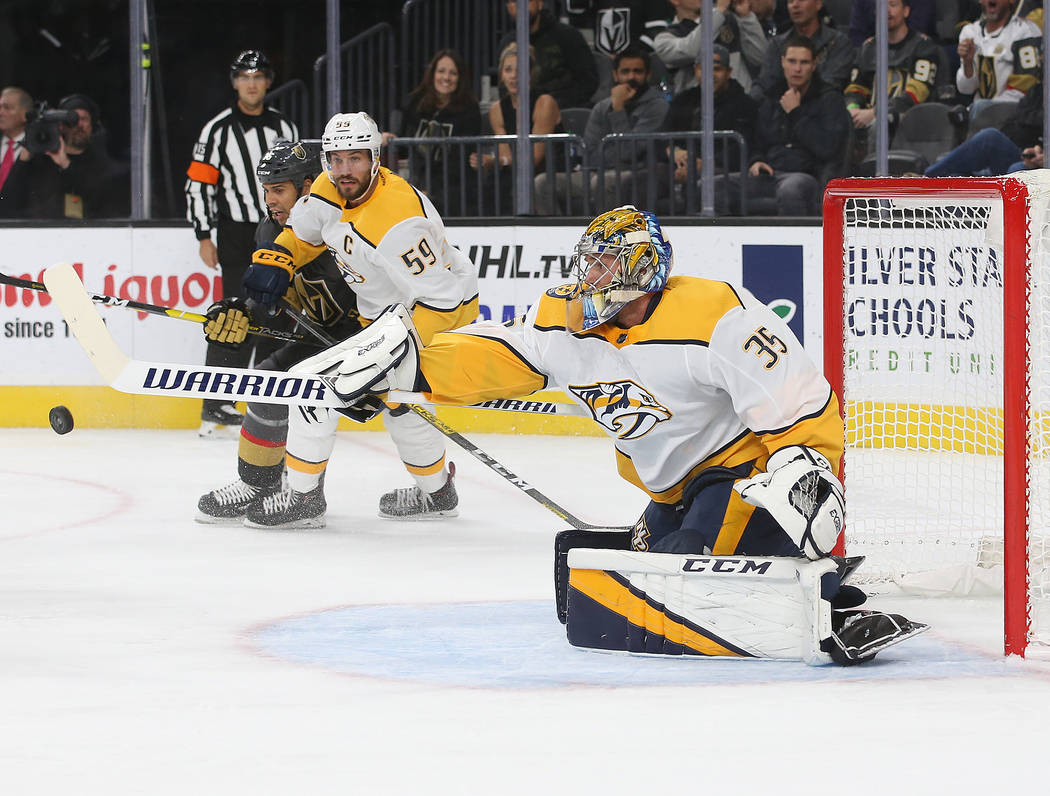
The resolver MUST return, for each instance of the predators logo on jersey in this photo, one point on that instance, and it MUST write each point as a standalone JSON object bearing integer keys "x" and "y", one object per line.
{"x": 622, "y": 407}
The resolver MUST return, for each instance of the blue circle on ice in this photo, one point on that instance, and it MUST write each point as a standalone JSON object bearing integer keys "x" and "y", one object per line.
{"x": 521, "y": 645}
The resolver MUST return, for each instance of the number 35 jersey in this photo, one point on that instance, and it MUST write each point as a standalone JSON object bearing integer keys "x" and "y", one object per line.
{"x": 711, "y": 377}
{"x": 391, "y": 249}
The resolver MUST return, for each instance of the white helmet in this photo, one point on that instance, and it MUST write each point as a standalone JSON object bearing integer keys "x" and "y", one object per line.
{"x": 351, "y": 131}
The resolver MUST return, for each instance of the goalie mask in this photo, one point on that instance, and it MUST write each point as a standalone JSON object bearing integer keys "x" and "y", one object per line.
{"x": 346, "y": 131}
{"x": 622, "y": 256}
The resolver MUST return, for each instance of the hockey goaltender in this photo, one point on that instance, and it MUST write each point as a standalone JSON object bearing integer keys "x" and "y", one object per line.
{"x": 716, "y": 412}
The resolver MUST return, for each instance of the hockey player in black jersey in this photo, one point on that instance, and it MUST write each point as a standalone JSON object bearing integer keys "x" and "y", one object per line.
{"x": 286, "y": 173}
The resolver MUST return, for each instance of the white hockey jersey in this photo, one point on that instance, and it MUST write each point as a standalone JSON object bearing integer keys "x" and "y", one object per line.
{"x": 390, "y": 249}
{"x": 1007, "y": 63}
{"x": 711, "y": 377}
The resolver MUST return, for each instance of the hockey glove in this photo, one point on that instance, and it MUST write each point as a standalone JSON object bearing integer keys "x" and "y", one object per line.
{"x": 802, "y": 494}
{"x": 268, "y": 277}
{"x": 383, "y": 356}
{"x": 228, "y": 322}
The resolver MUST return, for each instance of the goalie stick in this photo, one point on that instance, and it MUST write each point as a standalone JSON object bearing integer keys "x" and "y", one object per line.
{"x": 154, "y": 309}
{"x": 152, "y": 378}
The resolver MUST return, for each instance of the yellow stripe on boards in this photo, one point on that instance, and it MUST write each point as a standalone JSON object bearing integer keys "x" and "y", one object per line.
{"x": 608, "y": 592}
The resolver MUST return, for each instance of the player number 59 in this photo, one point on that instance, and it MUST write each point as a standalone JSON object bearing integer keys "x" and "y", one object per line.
{"x": 418, "y": 258}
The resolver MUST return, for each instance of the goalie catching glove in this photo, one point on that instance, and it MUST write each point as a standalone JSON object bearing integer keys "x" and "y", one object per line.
{"x": 228, "y": 322}
{"x": 381, "y": 357}
{"x": 803, "y": 495}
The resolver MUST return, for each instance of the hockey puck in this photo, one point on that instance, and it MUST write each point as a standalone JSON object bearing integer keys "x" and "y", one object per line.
{"x": 61, "y": 419}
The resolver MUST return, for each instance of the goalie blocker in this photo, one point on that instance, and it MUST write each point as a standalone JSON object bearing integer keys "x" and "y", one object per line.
{"x": 754, "y": 607}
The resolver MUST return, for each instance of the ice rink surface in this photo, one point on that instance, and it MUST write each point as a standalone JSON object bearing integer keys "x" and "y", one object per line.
{"x": 144, "y": 653}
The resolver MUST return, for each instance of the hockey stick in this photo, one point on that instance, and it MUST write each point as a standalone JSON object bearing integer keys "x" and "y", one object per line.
{"x": 154, "y": 309}
{"x": 128, "y": 375}
{"x": 466, "y": 444}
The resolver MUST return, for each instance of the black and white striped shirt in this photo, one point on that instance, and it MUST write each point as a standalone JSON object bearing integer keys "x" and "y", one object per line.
{"x": 222, "y": 182}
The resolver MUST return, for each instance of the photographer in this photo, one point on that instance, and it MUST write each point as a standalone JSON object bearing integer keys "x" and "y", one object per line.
{"x": 71, "y": 174}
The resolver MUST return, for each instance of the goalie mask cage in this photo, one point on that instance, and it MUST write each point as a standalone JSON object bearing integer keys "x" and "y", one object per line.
{"x": 937, "y": 341}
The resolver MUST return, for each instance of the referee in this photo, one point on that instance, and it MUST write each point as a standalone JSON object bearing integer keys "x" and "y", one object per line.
{"x": 223, "y": 196}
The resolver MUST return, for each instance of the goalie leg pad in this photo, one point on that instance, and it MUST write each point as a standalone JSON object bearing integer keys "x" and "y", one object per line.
{"x": 566, "y": 541}
{"x": 724, "y": 606}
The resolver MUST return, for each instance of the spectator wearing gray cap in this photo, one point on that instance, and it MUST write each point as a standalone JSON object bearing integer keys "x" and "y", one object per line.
{"x": 734, "y": 109}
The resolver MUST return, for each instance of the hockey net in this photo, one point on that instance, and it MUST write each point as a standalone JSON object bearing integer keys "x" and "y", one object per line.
{"x": 937, "y": 341}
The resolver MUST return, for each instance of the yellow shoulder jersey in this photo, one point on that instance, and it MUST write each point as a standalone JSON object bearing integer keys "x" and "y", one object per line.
{"x": 391, "y": 249}
{"x": 711, "y": 377}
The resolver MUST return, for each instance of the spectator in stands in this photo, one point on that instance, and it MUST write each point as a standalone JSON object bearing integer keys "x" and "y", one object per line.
{"x": 999, "y": 56}
{"x": 1017, "y": 146}
{"x": 913, "y": 60}
{"x": 15, "y": 103}
{"x": 503, "y": 118}
{"x": 765, "y": 10}
{"x": 633, "y": 106}
{"x": 923, "y": 18}
{"x": 79, "y": 180}
{"x": 613, "y": 24}
{"x": 736, "y": 28}
{"x": 835, "y": 53}
{"x": 734, "y": 109}
{"x": 802, "y": 129}
{"x": 441, "y": 106}
{"x": 566, "y": 67}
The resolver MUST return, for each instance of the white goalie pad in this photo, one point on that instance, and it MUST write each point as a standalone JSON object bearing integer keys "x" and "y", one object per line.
{"x": 724, "y": 606}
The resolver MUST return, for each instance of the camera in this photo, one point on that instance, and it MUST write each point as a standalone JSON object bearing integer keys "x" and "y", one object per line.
{"x": 42, "y": 133}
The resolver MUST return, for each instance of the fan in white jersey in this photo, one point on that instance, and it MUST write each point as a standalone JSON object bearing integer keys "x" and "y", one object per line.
{"x": 389, "y": 243}
{"x": 999, "y": 55}
{"x": 714, "y": 408}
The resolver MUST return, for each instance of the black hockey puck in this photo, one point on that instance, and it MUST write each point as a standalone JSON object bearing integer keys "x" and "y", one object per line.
{"x": 61, "y": 419}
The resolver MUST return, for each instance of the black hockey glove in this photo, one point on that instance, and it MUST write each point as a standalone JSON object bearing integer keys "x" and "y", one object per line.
{"x": 228, "y": 322}
{"x": 266, "y": 283}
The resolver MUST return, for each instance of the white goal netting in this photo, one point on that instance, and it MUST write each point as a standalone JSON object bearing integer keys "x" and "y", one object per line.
{"x": 923, "y": 327}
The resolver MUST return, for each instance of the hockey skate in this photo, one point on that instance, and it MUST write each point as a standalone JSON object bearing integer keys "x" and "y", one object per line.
{"x": 219, "y": 422}
{"x": 287, "y": 509}
{"x": 859, "y": 635}
{"x": 412, "y": 503}
{"x": 226, "y": 506}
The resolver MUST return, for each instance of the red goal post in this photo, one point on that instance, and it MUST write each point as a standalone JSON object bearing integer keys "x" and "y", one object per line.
{"x": 937, "y": 341}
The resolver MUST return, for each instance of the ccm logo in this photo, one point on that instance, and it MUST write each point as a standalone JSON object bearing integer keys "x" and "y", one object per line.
{"x": 736, "y": 565}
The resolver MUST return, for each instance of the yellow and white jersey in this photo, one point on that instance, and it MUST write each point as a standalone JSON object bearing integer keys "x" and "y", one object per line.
{"x": 391, "y": 249}
{"x": 711, "y": 377}
{"x": 1008, "y": 62}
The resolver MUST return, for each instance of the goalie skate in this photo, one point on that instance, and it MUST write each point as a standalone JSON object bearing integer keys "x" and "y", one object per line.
{"x": 227, "y": 506}
{"x": 413, "y": 503}
{"x": 863, "y": 634}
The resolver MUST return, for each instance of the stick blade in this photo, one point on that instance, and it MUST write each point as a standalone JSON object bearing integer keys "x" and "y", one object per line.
{"x": 80, "y": 313}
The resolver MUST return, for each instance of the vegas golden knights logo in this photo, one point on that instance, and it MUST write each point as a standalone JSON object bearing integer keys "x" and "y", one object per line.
{"x": 315, "y": 297}
{"x": 622, "y": 407}
{"x": 766, "y": 344}
{"x": 988, "y": 83}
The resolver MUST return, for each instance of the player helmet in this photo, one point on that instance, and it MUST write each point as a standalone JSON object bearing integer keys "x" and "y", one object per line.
{"x": 251, "y": 61}
{"x": 351, "y": 131}
{"x": 290, "y": 161}
{"x": 640, "y": 263}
